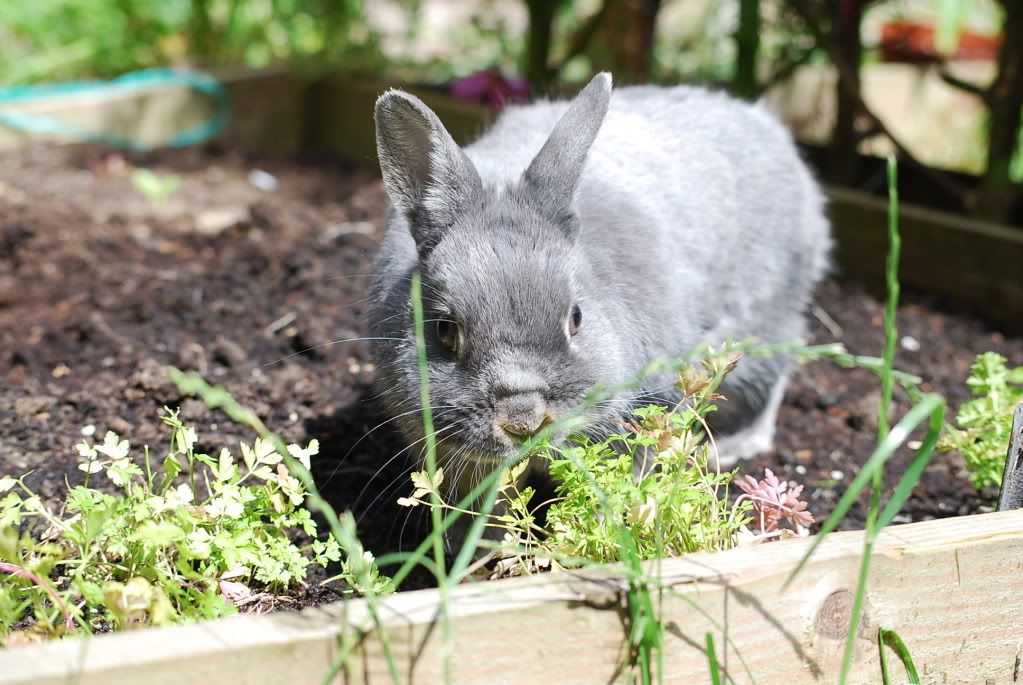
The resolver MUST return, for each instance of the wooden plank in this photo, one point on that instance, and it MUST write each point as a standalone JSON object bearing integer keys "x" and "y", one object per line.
{"x": 268, "y": 112}
{"x": 951, "y": 588}
{"x": 341, "y": 116}
{"x": 966, "y": 264}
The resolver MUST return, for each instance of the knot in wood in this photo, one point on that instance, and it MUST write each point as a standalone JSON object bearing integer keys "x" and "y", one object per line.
{"x": 834, "y": 614}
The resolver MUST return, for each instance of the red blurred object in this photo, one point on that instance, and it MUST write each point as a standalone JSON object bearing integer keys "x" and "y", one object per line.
{"x": 492, "y": 87}
{"x": 112, "y": 164}
{"x": 906, "y": 41}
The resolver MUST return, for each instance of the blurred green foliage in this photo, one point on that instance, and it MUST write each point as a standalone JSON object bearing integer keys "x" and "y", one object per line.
{"x": 746, "y": 46}
{"x": 48, "y": 40}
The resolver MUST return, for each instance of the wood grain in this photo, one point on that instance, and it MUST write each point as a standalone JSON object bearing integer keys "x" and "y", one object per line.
{"x": 951, "y": 589}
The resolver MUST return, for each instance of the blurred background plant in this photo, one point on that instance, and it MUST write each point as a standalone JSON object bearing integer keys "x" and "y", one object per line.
{"x": 938, "y": 81}
{"x": 61, "y": 39}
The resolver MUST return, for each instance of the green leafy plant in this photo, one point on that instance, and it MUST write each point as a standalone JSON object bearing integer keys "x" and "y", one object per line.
{"x": 67, "y": 39}
{"x": 678, "y": 504}
{"x": 175, "y": 541}
{"x": 983, "y": 424}
{"x": 360, "y": 569}
{"x": 155, "y": 187}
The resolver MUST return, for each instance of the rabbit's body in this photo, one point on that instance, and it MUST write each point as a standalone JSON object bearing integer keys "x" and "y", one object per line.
{"x": 695, "y": 221}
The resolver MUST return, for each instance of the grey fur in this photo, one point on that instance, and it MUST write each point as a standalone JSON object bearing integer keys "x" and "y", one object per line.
{"x": 691, "y": 219}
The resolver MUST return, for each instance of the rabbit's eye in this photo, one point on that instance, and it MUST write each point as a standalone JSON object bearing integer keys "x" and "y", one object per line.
{"x": 447, "y": 333}
{"x": 574, "y": 320}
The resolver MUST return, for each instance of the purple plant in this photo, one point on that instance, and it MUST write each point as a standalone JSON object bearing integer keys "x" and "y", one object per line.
{"x": 492, "y": 87}
{"x": 773, "y": 500}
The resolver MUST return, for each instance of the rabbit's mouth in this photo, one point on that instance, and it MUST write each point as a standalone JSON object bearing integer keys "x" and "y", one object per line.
{"x": 488, "y": 457}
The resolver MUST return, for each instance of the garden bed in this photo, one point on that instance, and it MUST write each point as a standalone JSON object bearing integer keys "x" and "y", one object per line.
{"x": 101, "y": 288}
{"x": 254, "y": 272}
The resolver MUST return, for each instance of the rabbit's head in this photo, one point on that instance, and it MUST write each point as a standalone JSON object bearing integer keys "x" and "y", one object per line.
{"x": 512, "y": 342}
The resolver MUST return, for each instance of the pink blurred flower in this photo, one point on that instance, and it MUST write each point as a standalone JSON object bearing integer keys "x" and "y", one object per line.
{"x": 492, "y": 87}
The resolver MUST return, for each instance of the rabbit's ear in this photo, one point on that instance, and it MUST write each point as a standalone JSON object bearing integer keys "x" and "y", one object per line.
{"x": 427, "y": 175}
{"x": 553, "y": 175}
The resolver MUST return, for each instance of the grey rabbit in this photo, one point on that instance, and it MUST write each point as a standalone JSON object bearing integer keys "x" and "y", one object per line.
{"x": 576, "y": 241}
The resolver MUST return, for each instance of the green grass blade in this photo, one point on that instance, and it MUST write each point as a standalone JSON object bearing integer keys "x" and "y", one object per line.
{"x": 891, "y": 639}
{"x": 886, "y": 677}
{"x": 892, "y": 302}
{"x": 857, "y": 607}
{"x": 712, "y": 662}
{"x": 916, "y": 467}
{"x": 436, "y": 515}
{"x": 890, "y": 330}
{"x": 905, "y": 486}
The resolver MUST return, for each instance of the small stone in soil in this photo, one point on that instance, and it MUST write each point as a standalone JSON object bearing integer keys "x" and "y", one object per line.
{"x": 263, "y": 180}
{"x": 217, "y": 219}
{"x": 229, "y": 352}
{"x": 910, "y": 343}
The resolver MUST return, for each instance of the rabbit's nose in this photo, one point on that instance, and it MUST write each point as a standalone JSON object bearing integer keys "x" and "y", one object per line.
{"x": 522, "y": 415}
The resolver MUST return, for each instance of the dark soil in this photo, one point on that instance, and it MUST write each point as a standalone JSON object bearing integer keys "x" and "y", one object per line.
{"x": 263, "y": 292}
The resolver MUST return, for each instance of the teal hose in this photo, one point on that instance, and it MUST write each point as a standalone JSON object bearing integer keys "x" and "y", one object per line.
{"x": 134, "y": 81}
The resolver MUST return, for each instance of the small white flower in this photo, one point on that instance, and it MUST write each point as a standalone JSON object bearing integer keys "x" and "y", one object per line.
{"x": 198, "y": 543}
{"x": 112, "y": 446}
{"x": 177, "y": 497}
{"x": 225, "y": 505}
{"x": 88, "y": 452}
{"x": 92, "y": 466}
